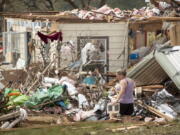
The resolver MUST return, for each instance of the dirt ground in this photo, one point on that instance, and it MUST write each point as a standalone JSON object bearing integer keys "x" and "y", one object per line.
{"x": 99, "y": 128}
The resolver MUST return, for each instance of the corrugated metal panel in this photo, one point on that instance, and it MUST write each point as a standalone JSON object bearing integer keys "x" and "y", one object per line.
{"x": 157, "y": 67}
{"x": 169, "y": 59}
{"x": 147, "y": 72}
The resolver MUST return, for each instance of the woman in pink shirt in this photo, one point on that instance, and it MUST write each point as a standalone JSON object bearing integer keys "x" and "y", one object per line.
{"x": 125, "y": 95}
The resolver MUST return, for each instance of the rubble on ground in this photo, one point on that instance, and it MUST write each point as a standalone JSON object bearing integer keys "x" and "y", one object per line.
{"x": 71, "y": 94}
{"x": 79, "y": 100}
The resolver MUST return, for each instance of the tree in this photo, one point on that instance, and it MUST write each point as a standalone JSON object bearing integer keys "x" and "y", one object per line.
{"x": 3, "y": 4}
{"x": 40, "y": 5}
{"x": 60, "y": 5}
{"x": 122, "y": 4}
{"x": 81, "y": 4}
{"x": 29, "y": 5}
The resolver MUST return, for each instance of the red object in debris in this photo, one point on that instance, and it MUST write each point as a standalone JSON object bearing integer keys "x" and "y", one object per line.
{"x": 14, "y": 94}
{"x": 52, "y": 37}
{"x": 1, "y": 50}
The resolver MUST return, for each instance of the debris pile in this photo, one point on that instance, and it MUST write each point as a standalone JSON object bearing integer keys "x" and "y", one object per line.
{"x": 12, "y": 119}
{"x": 105, "y": 12}
{"x": 83, "y": 91}
{"x": 155, "y": 8}
{"x": 58, "y": 95}
{"x": 80, "y": 97}
{"x": 162, "y": 101}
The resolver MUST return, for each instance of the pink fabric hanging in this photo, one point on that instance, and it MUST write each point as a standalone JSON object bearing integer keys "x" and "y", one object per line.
{"x": 52, "y": 37}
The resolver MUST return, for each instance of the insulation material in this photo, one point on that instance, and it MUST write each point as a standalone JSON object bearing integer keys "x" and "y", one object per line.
{"x": 166, "y": 109}
{"x": 66, "y": 55}
{"x": 88, "y": 49}
{"x": 83, "y": 103}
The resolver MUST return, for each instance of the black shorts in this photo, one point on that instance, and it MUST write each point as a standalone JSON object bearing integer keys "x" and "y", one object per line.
{"x": 126, "y": 109}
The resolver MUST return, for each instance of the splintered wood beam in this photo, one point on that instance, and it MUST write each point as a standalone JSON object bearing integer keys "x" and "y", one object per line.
{"x": 9, "y": 116}
{"x": 149, "y": 27}
{"x": 155, "y": 111}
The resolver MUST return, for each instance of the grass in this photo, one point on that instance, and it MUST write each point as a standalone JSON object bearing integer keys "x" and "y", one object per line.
{"x": 98, "y": 128}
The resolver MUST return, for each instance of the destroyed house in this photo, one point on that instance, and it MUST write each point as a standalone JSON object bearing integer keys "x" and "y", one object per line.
{"x": 160, "y": 64}
{"x": 118, "y": 38}
{"x": 19, "y": 28}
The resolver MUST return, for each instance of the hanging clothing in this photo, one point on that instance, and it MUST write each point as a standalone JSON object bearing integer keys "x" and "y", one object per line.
{"x": 52, "y": 37}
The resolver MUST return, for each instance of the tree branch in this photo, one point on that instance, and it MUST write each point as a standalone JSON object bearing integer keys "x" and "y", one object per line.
{"x": 88, "y": 4}
{"x": 50, "y": 4}
{"x": 30, "y": 4}
{"x": 3, "y": 2}
{"x": 83, "y": 4}
{"x": 72, "y": 3}
{"x": 102, "y": 3}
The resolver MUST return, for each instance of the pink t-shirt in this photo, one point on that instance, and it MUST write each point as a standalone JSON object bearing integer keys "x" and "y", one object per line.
{"x": 128, "y": 98}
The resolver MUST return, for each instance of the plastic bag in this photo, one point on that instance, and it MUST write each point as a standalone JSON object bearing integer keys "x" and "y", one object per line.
{"x": 19, "y": 100}
{"x": 15, "y": 97}
{"x": 44, "y": 95}
{"x": 83, "y": 103}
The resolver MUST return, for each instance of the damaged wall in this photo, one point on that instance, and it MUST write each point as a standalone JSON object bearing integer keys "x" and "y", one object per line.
{"x": 115, "y": 31}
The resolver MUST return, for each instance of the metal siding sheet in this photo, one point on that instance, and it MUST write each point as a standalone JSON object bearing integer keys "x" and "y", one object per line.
{"x": 169, "y": 59}
{"x": 147, "y": 72}
{"x": 158, "y": 67}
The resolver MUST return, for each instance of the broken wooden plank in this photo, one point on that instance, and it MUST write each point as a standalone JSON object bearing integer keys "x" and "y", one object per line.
{"x": 9, "y": 116}
{"x": 43, "y": 119}
{"x": 153, "y": 87}
{"x": 149, "y": 90}
{"x": 126, "y": 127}
{"x": 155, "y": 111}
{"x": 14, "y": 123}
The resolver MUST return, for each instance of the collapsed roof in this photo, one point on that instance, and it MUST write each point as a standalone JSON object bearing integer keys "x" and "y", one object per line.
{"x": 157, "y": 67}
{"x": 105, "y": 13}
